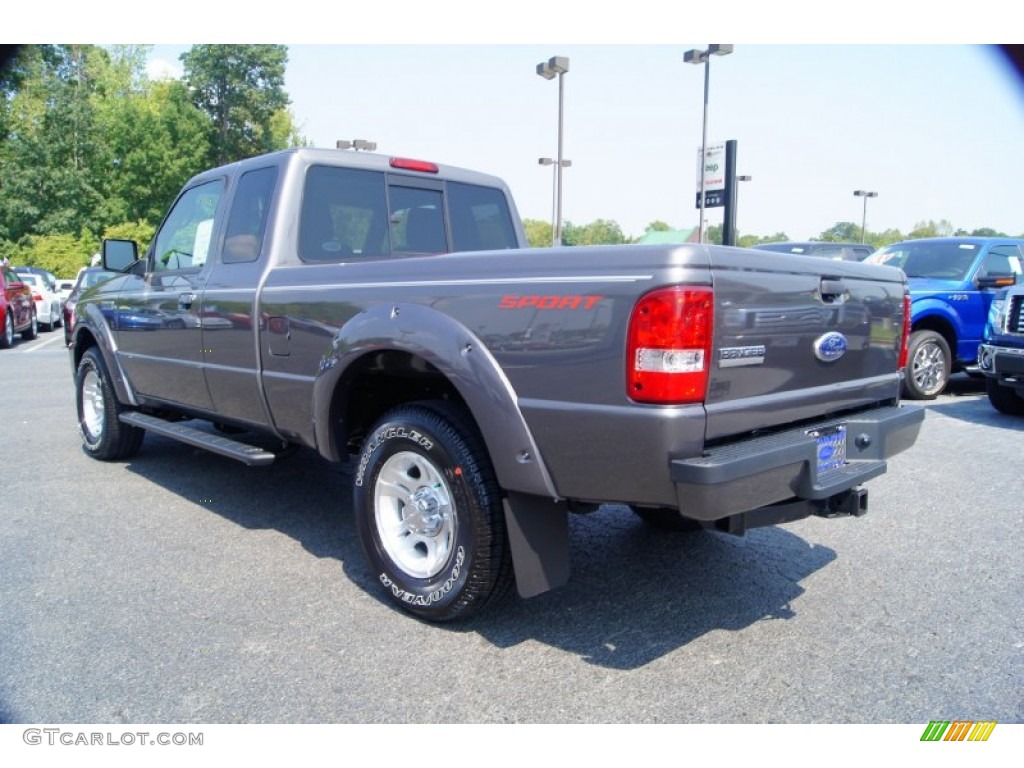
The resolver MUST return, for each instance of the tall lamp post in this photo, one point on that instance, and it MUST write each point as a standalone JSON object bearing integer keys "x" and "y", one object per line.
{"x": 696, "y": 56}
{"x": 864, "y": 219}
{"x": 557, "y": 65}
{"x": 554, "y": 189}
{"x": 737, "y": 201}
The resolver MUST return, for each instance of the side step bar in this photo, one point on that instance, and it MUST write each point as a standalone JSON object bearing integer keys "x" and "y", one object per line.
{"x": 247, "y": 454}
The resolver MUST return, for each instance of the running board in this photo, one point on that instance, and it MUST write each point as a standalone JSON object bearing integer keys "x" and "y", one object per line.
{"x": 247, "y": 454}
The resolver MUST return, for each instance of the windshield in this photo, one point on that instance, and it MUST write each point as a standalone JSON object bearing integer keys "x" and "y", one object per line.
{"x": 90, "y": 279}
{"x": 939, "y": 261}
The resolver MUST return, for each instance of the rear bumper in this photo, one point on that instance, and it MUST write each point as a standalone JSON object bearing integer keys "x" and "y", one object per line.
{"x": 751, "y": 474}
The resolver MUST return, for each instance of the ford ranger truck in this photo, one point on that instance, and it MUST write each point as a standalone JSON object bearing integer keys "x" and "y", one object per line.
{"x": 952, "y": 282}
{"x": 1001, "y": 356}
{"x": 387, "y": 313}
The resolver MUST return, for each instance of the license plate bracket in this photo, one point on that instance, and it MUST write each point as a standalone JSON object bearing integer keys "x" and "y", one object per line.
{"x": 830, "y": 447}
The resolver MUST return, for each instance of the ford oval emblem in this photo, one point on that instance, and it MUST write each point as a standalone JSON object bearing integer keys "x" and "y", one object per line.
{"x": 830, "y": 347}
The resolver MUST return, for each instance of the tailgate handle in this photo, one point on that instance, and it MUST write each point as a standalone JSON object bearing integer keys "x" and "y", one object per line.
{"x": 832, "y": 290}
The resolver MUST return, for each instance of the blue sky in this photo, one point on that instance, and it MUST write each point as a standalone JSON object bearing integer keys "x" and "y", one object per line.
{"x": 937, "y": 131}
{"x": 936, "y": 127}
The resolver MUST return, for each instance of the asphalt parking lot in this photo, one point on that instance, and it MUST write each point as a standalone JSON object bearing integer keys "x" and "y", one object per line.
{"x": 182, "y": 587}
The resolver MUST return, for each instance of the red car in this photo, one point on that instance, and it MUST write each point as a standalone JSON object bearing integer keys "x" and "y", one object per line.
{"x": 17, "y": 310}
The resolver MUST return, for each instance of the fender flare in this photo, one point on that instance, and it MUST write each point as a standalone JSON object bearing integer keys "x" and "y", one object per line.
{"x": 92, "y": 322}
{"x": 464, "y": 360}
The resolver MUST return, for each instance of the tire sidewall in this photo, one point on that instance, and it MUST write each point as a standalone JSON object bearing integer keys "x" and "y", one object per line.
{"x": 921, "y": 339}
{"x": 96, "y": 446}
{"x": 432, "y": 596}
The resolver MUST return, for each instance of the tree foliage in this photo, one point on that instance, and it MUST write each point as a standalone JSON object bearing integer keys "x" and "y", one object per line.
{"x": 88, "y": 142}
{"x": 241, "y": 89}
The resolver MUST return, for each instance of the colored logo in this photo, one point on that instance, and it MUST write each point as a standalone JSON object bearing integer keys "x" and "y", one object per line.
{"x": 958, "y": 730}
{"x": 830, "y": 347}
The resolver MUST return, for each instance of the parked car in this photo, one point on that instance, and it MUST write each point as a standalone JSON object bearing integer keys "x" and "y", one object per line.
{"x": 87, "y": 278}
{"x": 952, "y": 283}
{"x": 44, "y": 294}
{"x": 821, "y": 249}
{"x": 64, "y": 289}
{"x": 17, "y": 310}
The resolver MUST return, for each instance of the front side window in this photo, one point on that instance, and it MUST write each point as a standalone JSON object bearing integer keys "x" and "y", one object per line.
{"x": 184, "y": 239}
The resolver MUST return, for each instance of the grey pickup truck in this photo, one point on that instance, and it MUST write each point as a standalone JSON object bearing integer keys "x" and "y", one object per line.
{"x": 386, "y": 312}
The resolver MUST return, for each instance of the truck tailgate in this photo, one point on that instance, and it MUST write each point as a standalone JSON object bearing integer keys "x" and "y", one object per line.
{"x": 799, "y": 336}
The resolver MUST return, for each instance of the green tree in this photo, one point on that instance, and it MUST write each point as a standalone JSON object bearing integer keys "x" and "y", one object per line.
{"x": 50, "y": 159}
{"x": 538, "y": 233}
{"x": 597, "y": 232}
{"x": 62, "y": 254}
{"x": 941, "y": 228}
{"x": 841, "y": 232}
{"x": 657, "y": 226}
{"x": 241, "y": 89}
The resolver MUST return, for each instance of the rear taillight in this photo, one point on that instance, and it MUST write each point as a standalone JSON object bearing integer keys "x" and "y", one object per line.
{"x": 905, "y": 335}
{"x": 36, "y": 296}
{"x": 669, "y": 346}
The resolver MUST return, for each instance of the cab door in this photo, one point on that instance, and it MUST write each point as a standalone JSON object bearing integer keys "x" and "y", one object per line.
{"x": 157, "y": 314}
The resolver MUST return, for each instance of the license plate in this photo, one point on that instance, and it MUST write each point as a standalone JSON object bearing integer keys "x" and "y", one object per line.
{"x": 831, "y": 444}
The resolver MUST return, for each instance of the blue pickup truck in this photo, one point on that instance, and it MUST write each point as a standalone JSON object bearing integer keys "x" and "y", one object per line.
{"x": 1001, "y": 357}
{"x": 952, "y": 281}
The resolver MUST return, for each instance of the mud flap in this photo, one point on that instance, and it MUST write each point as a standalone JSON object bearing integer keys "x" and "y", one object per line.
{"x": 538, "y": 532}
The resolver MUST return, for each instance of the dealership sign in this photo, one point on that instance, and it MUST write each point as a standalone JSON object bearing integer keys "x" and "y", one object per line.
{"x": 713, "y": 169}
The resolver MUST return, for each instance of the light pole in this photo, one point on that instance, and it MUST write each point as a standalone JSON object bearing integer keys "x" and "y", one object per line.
{"x": 554, "y": 190}
{"x": 356, "y": 145}
{"x": 737, "y": 201}
{"x": 704, "y": 57}
{"x": 864, "y": 219}
{"x": 557, "y": 65}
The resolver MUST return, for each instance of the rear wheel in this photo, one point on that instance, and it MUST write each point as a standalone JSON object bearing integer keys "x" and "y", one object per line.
{"x": 1004, "y": 399}
{"x": 33, "y": 329}
{"x": 104, "y": 436}
{"x": 929, "y": 366}
{"x": 429, "y": 513}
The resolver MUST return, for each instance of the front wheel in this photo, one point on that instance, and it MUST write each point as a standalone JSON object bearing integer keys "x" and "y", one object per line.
{"x": 7, "y": 340}
{"x": 429, "y": 513}
{"x": 929, "y": 366}
{"x": 1004, "y": 399}
{"x": 104, "y": 436}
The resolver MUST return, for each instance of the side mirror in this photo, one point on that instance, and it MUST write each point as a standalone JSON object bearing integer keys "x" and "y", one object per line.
{"x": 996, "y": 280}
{"x": 118, "y": 255}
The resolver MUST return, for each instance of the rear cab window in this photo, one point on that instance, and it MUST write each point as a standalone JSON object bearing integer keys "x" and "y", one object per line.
{"x": 349, "y": 213}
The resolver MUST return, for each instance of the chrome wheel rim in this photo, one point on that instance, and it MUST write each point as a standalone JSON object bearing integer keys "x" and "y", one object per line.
{"x": 414, "y": 514}
{"x": 9, "y": 330}
{"x": 929, "y": 368}
{"x": 93, "y": 406}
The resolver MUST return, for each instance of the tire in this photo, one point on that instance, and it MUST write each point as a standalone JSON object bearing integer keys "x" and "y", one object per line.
{"x": 33, "y": 329}
{"x": 7, "y": 340}
{"x": 104, "y": 436}
{"x": 429, "y": 513}
{"x": 666, "y": 519}
{"x": 929, "y": 364}
{"x": 1004, "y": 399}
